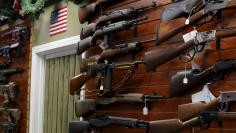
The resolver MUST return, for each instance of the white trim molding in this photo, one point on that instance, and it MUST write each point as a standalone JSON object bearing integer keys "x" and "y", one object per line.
{"x": 39, "y": 56}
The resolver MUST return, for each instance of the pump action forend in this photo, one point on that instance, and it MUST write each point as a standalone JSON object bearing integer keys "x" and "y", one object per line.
{"x": 91, "y": 41}
{"x": 113, "y": 17}
{"x": 82, "y": 107}
{"x": 187, "y": 111}
{"x": 162, "y": 126}
{"x": 199, "y": 77}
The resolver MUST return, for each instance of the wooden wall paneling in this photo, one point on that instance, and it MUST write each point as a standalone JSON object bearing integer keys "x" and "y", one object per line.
{"x": 158, "y": 81}
{"x": 46, "y": 100}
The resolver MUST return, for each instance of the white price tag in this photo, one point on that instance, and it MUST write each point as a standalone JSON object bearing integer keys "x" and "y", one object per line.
{"x": 204, "y": 95}
{"x": 145, "y": 111}
{"x": 190, "y": 36}
{"x": 185, "y": 80}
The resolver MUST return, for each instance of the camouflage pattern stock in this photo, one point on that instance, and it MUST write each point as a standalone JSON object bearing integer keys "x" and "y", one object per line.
{"x": 9, "y": 91}
{"x": 190, "y": 110}
{"x": 158, "y": 57}
{"x": 12, "y": 114}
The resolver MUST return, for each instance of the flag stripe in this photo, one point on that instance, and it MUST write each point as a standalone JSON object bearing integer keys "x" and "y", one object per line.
{"x": 58, "y": 21}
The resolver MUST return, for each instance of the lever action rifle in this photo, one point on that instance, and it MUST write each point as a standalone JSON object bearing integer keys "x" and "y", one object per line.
{"x": 162, "y": 126}
{"x": 88, "y": 9}
{"x": 199, "y": 77}
{"x": 187, "y": 111}
{"x": 91, "y": 41}
{"x": 166, "y": 30}
{"x": 83, "y": 107}
{"x": 9, "y": 91}
{"x": 115, "y": 16}
{"x": 103, "y": 71}
{"x": 8, "y": 127}
{"x": 158, "y": 57}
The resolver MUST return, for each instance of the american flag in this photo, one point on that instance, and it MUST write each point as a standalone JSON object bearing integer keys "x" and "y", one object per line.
{"x": 58, "y": 23}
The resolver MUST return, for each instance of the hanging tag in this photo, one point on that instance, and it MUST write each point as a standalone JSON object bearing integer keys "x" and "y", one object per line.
{"x": 185, "y": 80}
{"x": 190, "y": 36}
{"x": 145, "y": 110}
{"x": 187, "y": 21}
{"x": 101, "y": 88}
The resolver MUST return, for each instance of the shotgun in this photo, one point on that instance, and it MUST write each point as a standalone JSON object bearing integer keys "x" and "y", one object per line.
{"x": 83, "y": 107}
{"x": 158, "y": 57}
{"x": 115, "y": 16}
{"x": 103, "y": 71}
{"x": 199, "y": 77}
{"x": 162, "y": 126}
{"x": 186, "y": 111}
{"x": 8, "y": 127}
{"x": 166, "y": 30}
{"x": 91, "y": 41}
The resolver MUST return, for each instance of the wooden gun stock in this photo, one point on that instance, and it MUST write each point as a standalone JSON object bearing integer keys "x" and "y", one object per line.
{"x": 171, "y": 125}
{"x": 77, "y": 82}
{"x": 190, "y": 110}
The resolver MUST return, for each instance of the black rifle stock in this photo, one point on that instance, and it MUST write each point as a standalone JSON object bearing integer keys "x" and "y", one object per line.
{"x": 115, "y": 16}
{"x": 83, "y": 107}
{"x": 166, "y": 31}
{"x": 158, "y": 57}
{"x": 162, "y": 126}
{"x": 88, "y": 42}
{"x": 198, "y": 77}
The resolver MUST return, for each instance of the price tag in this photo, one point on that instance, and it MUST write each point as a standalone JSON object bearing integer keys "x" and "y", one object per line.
{"x": 190, "y": 36}
{"x": 204, "y": 95}
{"x": 145, "y": 111}
{"x": 185, "y": 80}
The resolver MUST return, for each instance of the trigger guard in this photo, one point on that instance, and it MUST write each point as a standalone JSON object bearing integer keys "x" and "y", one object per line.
{"x": 223, "y": 107}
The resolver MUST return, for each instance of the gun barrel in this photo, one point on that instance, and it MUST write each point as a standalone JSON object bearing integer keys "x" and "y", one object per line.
{"x": 78, "y": 126}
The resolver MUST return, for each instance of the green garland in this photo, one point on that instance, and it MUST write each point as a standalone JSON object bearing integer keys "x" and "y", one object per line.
{"x": 29, "y": 8}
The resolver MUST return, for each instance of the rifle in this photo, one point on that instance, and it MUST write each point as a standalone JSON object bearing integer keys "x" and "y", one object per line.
{"x": 186, "y": 111}
{"x": 20, "y": 33}
{"x": 198, "y": 77}
{"x": 91, "y": 41}
{"x": 103, "y": 70}
{"x": 162, "y": 126}
{"x": 8, "y": 127}
{"x": 12, "y": 115}
{"x": 113, "y": 17}
{"x": 166, "y": 29}
{"x": 158, "y": 57}
{"x": 83, "y": 107}
{"x": 7, "y": 72}
{"x": 9, "y": 91}
{"x": 88, "y": 9}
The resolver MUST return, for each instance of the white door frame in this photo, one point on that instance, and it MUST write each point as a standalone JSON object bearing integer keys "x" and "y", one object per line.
{"x": 39, "y": 56}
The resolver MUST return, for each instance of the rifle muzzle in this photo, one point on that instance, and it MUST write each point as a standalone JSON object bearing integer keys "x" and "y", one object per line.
{"x": 84, "y": 44}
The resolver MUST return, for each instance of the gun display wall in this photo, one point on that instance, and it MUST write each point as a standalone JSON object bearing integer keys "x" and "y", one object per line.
{"x": 144, "y": 63}
{"x": 14, "y": 68}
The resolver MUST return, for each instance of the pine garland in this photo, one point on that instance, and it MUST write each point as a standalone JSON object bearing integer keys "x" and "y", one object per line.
{"x": 29, "y": 8}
